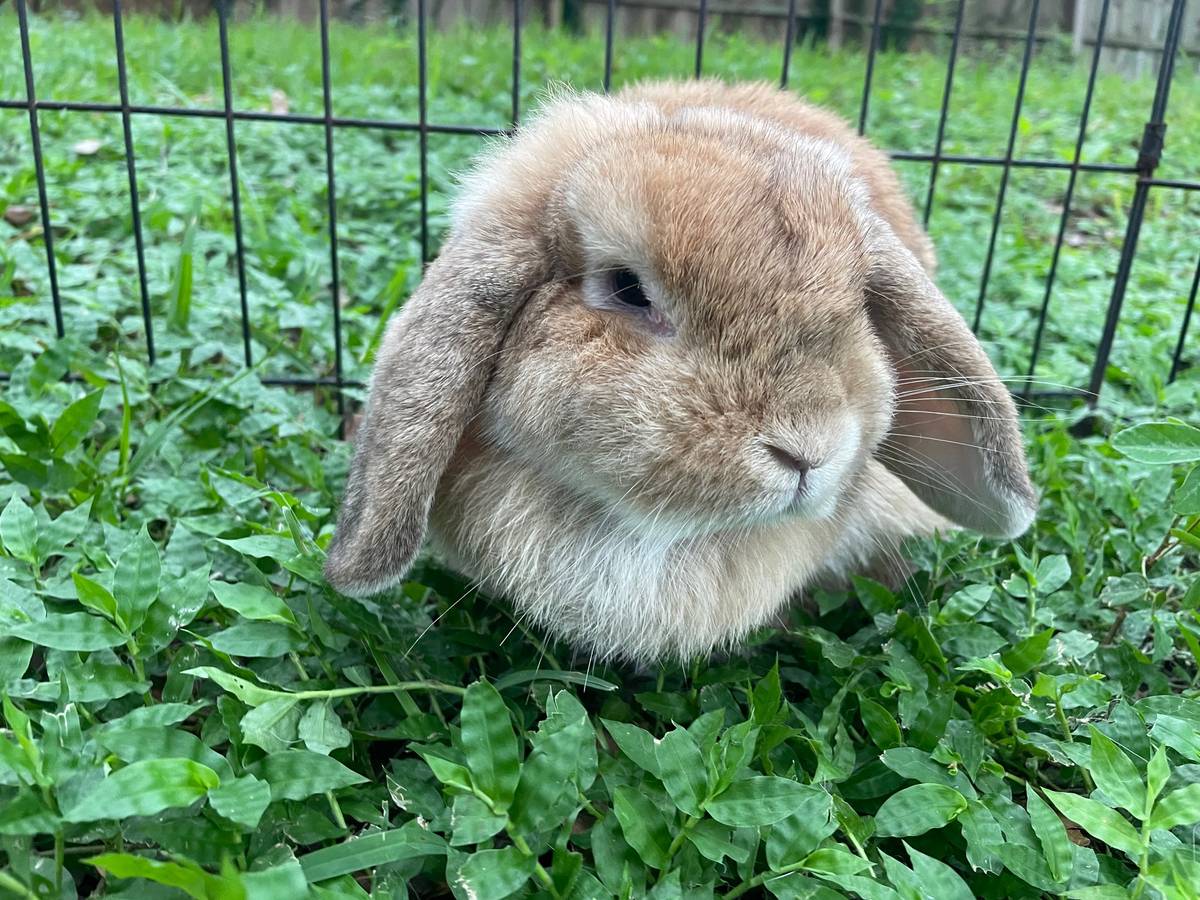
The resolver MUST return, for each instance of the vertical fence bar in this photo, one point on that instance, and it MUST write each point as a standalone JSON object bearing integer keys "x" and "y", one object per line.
{"x": 870, "y": 73}
{"x": 234, "y": 188}
{"x": 516, "y": 64}
{"x": 947, "y": 88}
{"x": 1006, "y": 170}
{"x": 331, "y": 193}
{"x": 701, "y": 25}
{"x": 423, "y": 121}
{"x": 423, "y": 90}
{"x": 35, "y": 137}
{"x": 1067, "y": 198}
{"x": 609, "y": 28}
{"x": 1177, "y": 357}
{"x": 789, "y": 37}
{"x": 131, "y": 169}
{"x": 1148, "y": 159}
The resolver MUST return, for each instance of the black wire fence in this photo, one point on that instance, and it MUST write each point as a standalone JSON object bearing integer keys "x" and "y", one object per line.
{"x": 1142, "y": 171}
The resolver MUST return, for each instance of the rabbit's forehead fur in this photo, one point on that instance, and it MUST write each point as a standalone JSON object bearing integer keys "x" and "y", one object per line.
{"x": 751, "y": 240}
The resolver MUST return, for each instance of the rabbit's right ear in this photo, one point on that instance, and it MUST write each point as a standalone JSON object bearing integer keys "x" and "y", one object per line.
{"x": 955, "y": 438}
{"x": 430, "y": 374}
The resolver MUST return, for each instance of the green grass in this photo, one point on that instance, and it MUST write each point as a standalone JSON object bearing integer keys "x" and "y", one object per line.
{"x": 190, "y": 711}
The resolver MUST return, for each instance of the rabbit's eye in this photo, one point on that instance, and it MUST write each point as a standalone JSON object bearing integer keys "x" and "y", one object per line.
{"x": 627, "y": 288}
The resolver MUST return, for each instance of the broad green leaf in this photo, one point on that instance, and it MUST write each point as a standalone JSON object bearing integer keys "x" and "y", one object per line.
{"x": 760, "y": 800}
{"x": 713, "y": 840}
{"x": 248, "y": 692}
{"x": 185, "y": 876}
{"x": 636, "y": 743}
{"x": 18, "y": 530}
{"x": 447, "y": 772}
{"x": 490, "y": 744}
{"x": 1028, "y": 653}
{"x": 95, "y": 596}
{"x": 471, "y": 822}
{"x": 682, "y": 770}
{"x": 284, "y": 880}
{"x": 75, "y": 422}
{"x": 1099, "y": 821}
{"x": 70, "y": 631}
{"x": 27, "y": 814}
{"x": 144, "y": 788}
{"x": 278, "y": 547}
{"x": 1180, "y": 807}
{"x": 272, "y": 725}
{"x": 880, "y": 723}
{"x": 1028, "y": 865}
{"x": 1159, "y": 442}
{"x": 643, "y": 825}
{"x": 1178, "y": 734}
{"x": 321, "y": 729}
{"x": 1051, "y": 833}
{"x": 150, "y": 742}
{"x": 1116, "y": 775}
{"x": 799, "y": 833}
{"x": 1187, "y": 498}
{"x": 135, "y": 582}
{"x": 835, "y": 861}
{"x": 938, "y": 879}
{"x": 1052, "y": 573}
{"x": 548, "y": 789}
{"x": 65, "y": 529}
{"x": 242, "y": 800}
{"x": 376, "y": 848}
{"x": 257, "y": 640}
{"x": 252, "y": 602}
{"x": 494, "y": 873}
{"x": 1158, "y": 770}
{"x": 965, "y": 604}
{"x": 296, "y": 774}
{"x": 918, "y": 809}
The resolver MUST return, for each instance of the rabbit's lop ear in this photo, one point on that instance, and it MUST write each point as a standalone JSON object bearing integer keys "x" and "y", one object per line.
{"x": 430, "y": 374}
{"x": 954, "y": 439}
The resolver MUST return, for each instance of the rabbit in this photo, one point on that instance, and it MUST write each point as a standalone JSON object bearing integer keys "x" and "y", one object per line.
{"x": 680, "y": 358}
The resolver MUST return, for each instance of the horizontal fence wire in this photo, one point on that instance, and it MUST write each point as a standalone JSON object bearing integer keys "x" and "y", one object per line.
{"x": 1143, "y": 170}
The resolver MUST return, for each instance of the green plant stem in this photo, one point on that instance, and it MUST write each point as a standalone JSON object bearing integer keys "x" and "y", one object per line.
{"x": 337, "y": 811}
{"x": 542, "y": 875}
{"x": 378, "y": 689}
{"x": 11, "y": 884}
{"x": 688, "y": 824}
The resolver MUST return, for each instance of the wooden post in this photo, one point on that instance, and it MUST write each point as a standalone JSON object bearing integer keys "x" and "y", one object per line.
{"x": 837, "y": 10}
{"x": 1078, "y": 26}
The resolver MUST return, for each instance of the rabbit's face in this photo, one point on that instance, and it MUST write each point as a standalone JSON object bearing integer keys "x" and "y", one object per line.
{"x": 703, "y": 359}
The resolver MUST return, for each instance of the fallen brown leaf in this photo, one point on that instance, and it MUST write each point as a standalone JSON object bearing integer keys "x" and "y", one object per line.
{"x": 17, "y": 215}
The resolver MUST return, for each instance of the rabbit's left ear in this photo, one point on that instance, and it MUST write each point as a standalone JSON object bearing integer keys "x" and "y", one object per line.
{"x": 955, "y": 438}
{"x": 433, "y": 366}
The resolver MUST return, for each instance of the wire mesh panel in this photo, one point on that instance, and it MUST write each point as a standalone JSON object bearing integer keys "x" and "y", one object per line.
{"x": 1142, "y": 173}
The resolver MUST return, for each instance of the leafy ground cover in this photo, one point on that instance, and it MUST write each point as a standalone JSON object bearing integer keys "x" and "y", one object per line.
{"x": 189, "y": 711}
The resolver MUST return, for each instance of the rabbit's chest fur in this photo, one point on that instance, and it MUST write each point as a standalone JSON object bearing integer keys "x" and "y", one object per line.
{"x": 578, "y": 569}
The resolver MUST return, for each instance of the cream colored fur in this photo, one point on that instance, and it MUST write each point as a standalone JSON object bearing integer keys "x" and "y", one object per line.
{"x": 610, "y": 470}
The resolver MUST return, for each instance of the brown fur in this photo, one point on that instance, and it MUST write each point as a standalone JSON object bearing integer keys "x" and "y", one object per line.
{"x": 608, "y": 469}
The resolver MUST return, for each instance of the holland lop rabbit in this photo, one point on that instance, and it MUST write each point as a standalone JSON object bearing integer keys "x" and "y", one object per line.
{"x": 680, "y": 357}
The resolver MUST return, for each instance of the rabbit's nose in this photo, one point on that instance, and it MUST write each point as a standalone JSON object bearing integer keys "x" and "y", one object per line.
{"x": 789, "y": 460}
